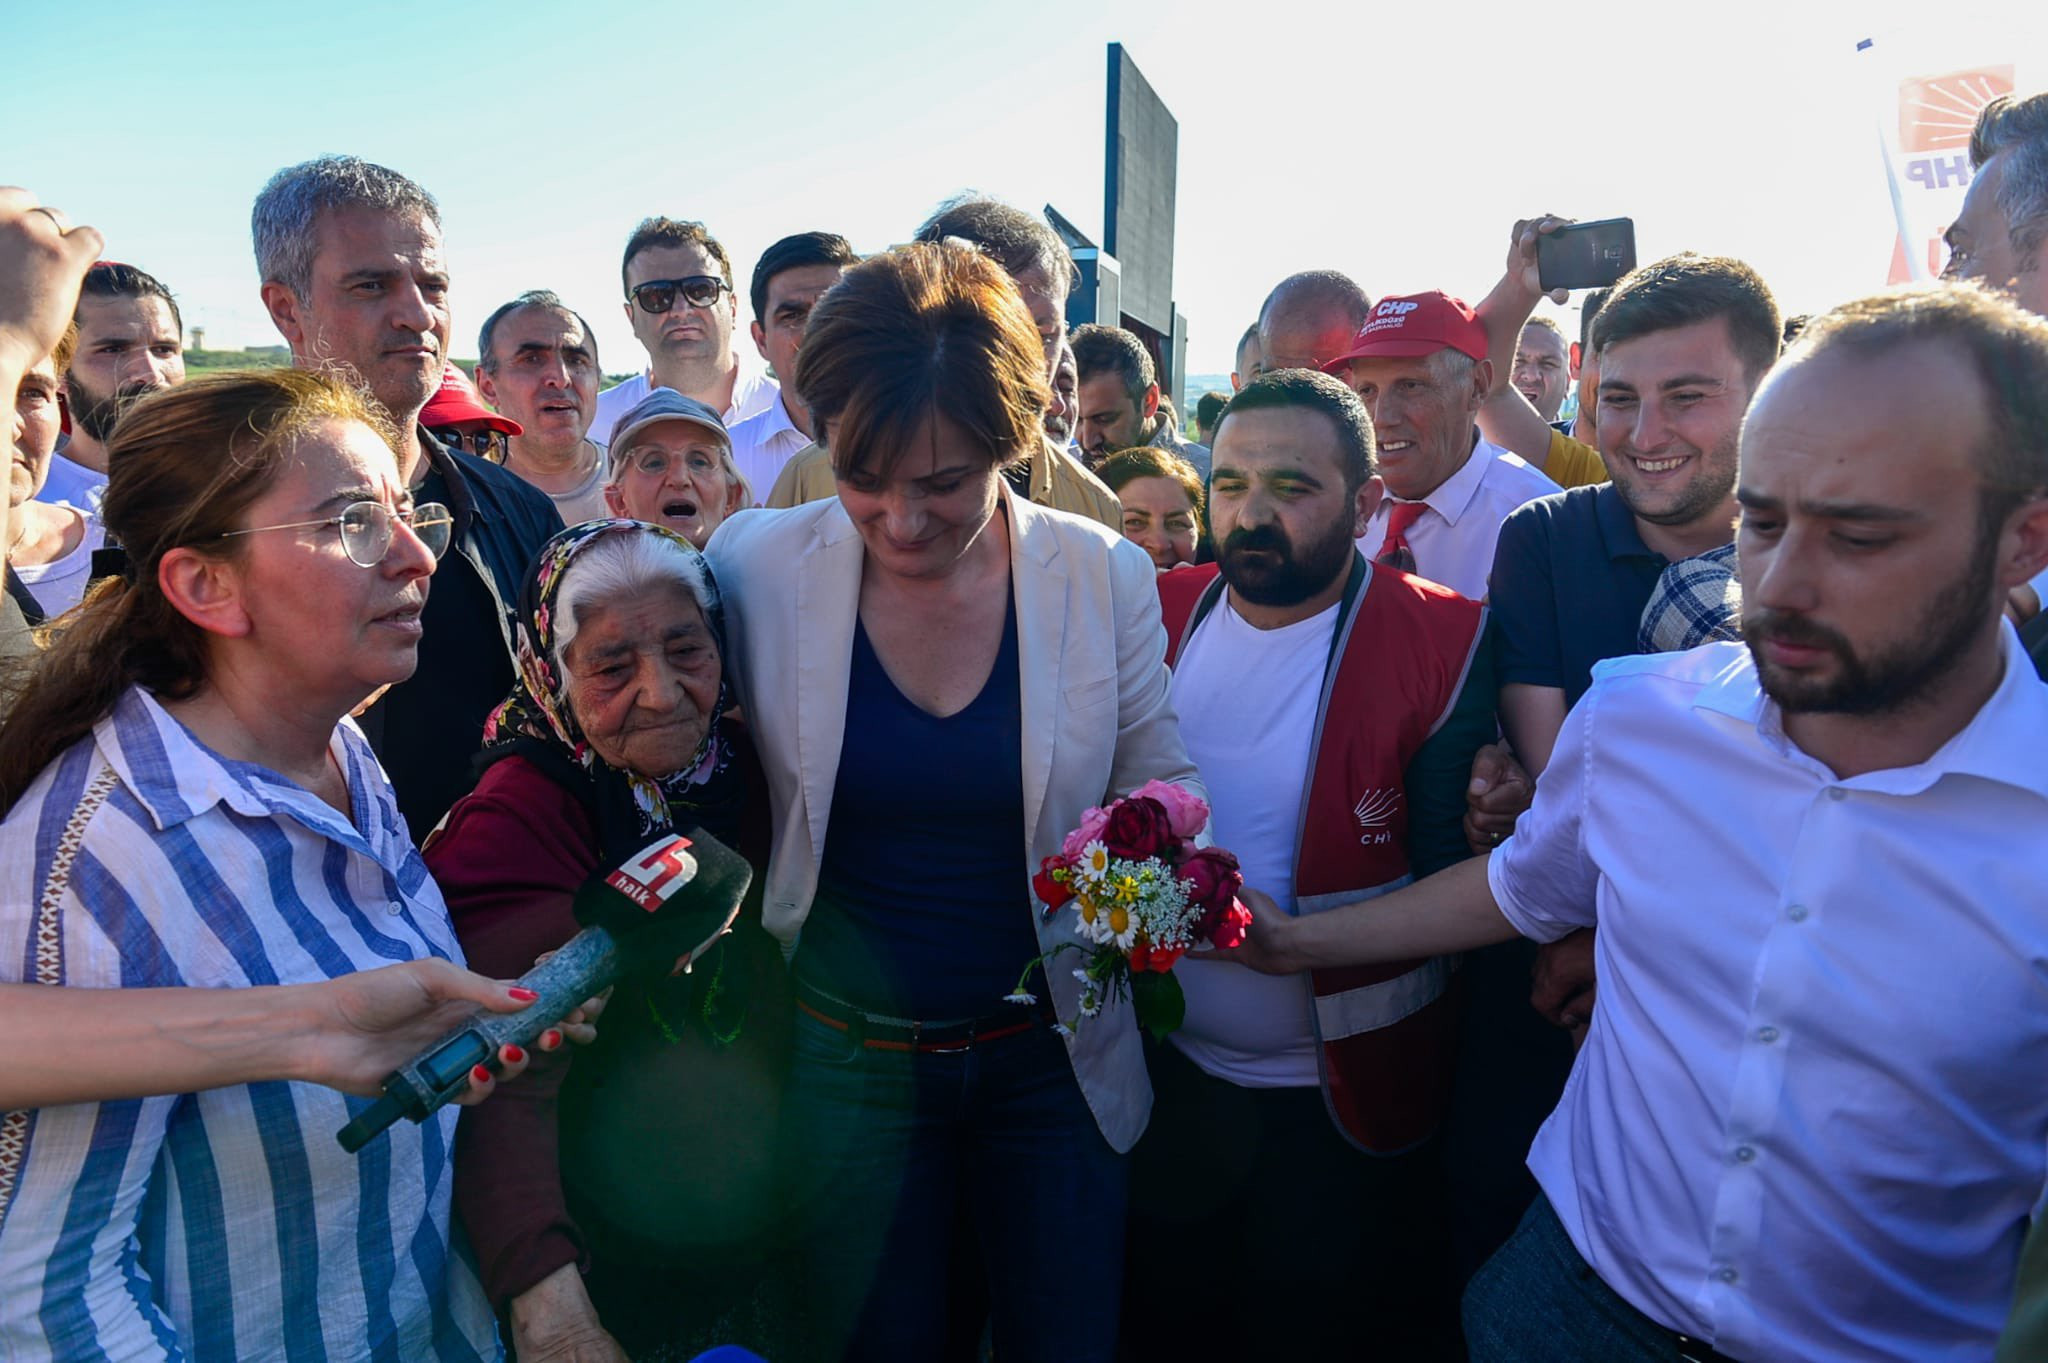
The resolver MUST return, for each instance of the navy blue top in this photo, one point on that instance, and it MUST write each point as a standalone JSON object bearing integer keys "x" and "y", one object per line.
{"x": 923, "y": 908}
{"x": 1571, "y": 576}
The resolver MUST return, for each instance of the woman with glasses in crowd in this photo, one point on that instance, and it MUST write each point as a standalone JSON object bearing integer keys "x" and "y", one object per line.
{"x": 185, "y": 804}
{"x": 941, "y": 678}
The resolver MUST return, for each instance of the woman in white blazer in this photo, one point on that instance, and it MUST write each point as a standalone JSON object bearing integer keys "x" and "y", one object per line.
{"x": 942, "y": 677}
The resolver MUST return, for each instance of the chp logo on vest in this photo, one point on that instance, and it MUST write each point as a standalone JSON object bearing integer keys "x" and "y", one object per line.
{"x": 1375, "y": 811}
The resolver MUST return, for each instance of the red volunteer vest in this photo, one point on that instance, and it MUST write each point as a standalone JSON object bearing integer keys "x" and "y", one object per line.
{"x": 1400, "y": 655}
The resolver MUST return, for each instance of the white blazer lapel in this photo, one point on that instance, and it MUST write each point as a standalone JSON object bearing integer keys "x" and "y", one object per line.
{"x": 827, "y": 606}
{"x": 1038, "y": 577}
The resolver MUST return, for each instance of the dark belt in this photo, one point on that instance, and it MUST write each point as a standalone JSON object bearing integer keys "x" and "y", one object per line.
{"x": 879, "y": 1033}
{"x": 1691, "y": 1350}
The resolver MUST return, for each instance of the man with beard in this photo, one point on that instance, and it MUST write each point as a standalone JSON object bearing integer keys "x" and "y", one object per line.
{"x": 354, "y": 279}
{"x": 131, "y": 341}
{"x": 1119, "y": 396}
{"x": 1818, "y": 866}
{"x": 1333, "y": 707}
{"x": 1681, "y": 343}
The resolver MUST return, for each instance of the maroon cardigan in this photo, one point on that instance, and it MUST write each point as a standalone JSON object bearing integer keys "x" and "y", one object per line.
{"x": 508, "y": 862}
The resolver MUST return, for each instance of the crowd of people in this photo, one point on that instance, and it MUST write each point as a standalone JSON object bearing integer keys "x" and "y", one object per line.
{"x": 1626, "y": 741}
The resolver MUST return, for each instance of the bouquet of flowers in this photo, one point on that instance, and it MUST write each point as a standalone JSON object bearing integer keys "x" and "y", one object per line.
{"x": 1142, "y": 893}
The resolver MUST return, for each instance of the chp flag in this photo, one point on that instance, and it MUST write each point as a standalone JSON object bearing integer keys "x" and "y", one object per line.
{"x": 1927, "y": 102}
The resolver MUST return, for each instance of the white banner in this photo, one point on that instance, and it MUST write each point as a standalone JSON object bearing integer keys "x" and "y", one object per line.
{"x": 1926, "y": 107}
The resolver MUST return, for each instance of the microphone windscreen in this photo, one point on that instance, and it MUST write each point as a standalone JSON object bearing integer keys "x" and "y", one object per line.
{"x": 668, "y": 902}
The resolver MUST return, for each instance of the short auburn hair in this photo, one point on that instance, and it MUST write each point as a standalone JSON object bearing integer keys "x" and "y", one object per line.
{"x": 925, "y": 330}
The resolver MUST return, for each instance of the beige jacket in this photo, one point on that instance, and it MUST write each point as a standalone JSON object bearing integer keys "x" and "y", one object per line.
{"x": 1098, "y": 718}
{"x": 1058, "y": 480}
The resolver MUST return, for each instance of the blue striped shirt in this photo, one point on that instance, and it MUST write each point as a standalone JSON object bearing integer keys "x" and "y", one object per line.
{"x": 226, "y": 1224}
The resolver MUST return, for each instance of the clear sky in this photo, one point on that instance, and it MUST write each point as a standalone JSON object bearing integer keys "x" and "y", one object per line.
{"x": 1397, "y": 143}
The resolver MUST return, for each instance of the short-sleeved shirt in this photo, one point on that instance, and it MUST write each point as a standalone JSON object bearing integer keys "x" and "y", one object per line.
{"x": 1571, "y": 576}
{"x": 1572, "y": 463}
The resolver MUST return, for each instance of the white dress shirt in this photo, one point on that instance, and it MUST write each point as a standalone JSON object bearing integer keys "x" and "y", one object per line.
{"x": 753, "y": 392}
{"x": 1453, "y": 540}
{"x": 1807, "y": 1122}
{"x": 763, "y": 443}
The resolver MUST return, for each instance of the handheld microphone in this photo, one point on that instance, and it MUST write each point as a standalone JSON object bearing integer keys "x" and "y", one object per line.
{"x": 652, "y": 914}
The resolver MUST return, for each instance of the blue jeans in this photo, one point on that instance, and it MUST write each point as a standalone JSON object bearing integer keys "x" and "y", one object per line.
{"x": 891, "y": 1151}
{"x": 1537, "y": 1301}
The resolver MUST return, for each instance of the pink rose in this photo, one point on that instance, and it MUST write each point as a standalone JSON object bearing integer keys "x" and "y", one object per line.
{"x": 1092, "y": 824}
{"x": 1137, "y": 829}
{"x": 1185, "y": 814}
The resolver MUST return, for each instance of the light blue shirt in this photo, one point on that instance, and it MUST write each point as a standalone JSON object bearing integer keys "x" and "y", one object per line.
{"x": 227, "y": 1224}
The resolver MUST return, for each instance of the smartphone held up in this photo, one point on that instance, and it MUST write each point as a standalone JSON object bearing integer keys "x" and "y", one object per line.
{"x": 1586, "y": 255}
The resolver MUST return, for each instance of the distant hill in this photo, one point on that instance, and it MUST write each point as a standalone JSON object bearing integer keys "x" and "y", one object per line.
{"x": 260, "y": 357}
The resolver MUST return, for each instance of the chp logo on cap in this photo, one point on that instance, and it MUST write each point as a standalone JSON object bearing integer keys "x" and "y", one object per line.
{"x": 1415, "y": 324}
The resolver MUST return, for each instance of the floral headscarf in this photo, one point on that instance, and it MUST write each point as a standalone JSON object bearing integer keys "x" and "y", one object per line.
{"x": 535, "y": 720}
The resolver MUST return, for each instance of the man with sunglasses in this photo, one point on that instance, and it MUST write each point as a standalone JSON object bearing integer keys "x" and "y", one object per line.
{"x": 682, "y": 308}
{"x": 354, "y": 278}
{"x": 457, "y": 418}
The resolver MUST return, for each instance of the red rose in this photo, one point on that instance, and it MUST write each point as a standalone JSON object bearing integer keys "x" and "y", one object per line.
{"x": 1046, "y": 888}
{"x": 1140, "y": 957}
{"x": 1138, "y": 828}
{"x": 1231, "y": 927}
{"x": 1213, "y": 882}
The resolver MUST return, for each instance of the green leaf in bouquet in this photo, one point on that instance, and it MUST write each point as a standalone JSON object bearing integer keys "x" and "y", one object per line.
{"x": 1161, "y": 1005}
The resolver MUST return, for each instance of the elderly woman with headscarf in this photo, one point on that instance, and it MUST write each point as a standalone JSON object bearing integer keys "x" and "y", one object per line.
{"x": 648, "y": 1160}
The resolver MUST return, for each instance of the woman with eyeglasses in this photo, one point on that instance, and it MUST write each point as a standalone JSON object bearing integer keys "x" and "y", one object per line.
{"x": 185, "y": 803}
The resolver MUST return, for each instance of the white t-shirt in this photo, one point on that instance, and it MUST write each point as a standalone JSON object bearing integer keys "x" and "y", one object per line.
{"x": 59, "y": 585}
{"x": 1247, "y": 704}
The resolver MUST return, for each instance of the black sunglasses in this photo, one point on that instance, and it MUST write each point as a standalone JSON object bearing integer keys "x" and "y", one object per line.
{"x": 657, "y": 296}
{"x": 484, "y": 443}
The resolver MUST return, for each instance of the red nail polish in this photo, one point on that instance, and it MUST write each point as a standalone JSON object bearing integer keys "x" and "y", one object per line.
{"x": 480, "y": 1074}
{"x": 523, "y": 995}
{"x": 514, "y": 1056}
{"x": 550, "y": 1039}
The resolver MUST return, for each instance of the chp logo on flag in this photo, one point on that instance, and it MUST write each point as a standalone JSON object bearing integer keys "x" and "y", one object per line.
{"x": 1936, "y": 113}
{"x": 656, "y": 873}
{"x": 1927, "y": 91}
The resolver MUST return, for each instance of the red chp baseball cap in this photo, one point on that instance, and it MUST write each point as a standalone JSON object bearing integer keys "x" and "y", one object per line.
{"x": 456, "y": 403}
{"x": 1415, "y": 324}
